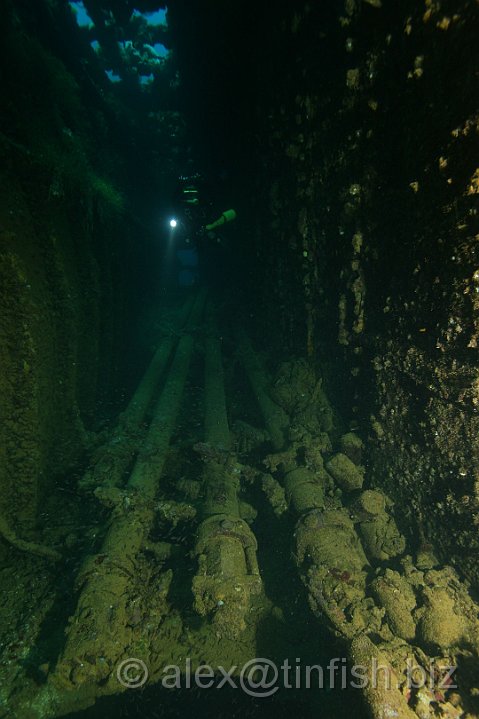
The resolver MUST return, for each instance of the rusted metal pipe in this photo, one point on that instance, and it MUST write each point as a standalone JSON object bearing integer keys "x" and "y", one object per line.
{"x": 228, "y": 573}
{"x": 98, "y": 634}
{"x": 114, "y": 458}
{"x": 274, "y": 417}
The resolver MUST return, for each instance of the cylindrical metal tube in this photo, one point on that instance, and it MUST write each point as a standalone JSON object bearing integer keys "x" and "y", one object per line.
{"x": 116, "y": 456}
{"x": 99, "y": 618}
{"x": 226, "y": 548}
{"x": 274, "y": 417}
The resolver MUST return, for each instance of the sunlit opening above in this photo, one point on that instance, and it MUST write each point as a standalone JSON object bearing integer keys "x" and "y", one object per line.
{"x": 82, "y": 17}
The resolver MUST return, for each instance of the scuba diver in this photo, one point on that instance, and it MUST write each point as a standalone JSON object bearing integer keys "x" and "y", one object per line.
{"x": 199, "y": 248}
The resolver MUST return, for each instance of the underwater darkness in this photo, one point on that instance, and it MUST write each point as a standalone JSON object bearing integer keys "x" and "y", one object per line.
{"x": 239, "y": 372}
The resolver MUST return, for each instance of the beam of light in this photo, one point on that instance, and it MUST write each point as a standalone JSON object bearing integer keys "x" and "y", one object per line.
{"x": 173, "y": 223}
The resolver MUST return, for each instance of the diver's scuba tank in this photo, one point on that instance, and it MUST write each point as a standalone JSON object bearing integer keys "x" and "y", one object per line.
{"x": 189, "y": 192}
{"x": 227, "y": 216}
{"x": 190, "y": 196}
